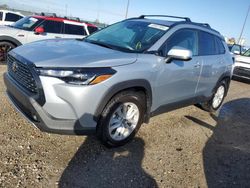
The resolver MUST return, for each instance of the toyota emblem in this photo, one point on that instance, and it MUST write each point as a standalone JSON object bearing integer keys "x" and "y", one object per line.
{"x": 14, "y": 67}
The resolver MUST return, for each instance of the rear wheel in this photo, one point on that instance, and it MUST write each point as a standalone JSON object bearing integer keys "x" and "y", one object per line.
{"x": 122, "y": 118}
{"x": 217, "y": 99}
{"x": 5, "y": 47}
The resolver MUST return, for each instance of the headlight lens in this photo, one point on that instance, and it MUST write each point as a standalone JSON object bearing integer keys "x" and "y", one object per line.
{"x": 78, "y": 76}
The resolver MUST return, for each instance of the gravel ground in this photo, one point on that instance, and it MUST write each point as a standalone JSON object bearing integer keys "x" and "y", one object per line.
{"x": 184, "y": 148}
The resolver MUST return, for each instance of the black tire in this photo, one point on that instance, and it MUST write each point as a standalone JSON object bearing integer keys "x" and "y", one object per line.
{"x": 5, "y": 47}
{"x": 137, "y": 98}
{"x": 208, "y": 106}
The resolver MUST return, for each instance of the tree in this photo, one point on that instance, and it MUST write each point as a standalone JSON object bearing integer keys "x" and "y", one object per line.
{"x": 231, "y": 40}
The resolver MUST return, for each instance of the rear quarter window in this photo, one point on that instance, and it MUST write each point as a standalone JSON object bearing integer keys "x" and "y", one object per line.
{"x": 74, "y": 29}
{"x": 92, "y": 29}
{"x": 1, "y": 16}
{"x": 206, "y": 44}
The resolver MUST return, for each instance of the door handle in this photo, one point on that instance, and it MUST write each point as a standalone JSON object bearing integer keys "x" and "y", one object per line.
{"x": 20, "y": 35}
{"x": 197, "y": 65}
{"x": 58, "y": 37}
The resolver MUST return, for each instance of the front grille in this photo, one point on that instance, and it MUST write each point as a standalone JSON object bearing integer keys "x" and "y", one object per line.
{"x": 22, "y": 74}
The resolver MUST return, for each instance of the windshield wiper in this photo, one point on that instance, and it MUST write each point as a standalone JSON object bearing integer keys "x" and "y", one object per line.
{"x": 99, "y": 43}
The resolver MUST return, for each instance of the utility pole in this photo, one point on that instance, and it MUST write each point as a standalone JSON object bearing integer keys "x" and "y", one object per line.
{"x": 98, "y": 11}
{"x": 66, "y": 9}
{"x": 244, "y": 25}
{"x": 126, "y": 15}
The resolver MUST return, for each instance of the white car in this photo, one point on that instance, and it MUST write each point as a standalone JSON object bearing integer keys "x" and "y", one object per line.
{"x": 37, "y": 27}
{"x": 242, "y": 65}
{"x": 9, "y": 17}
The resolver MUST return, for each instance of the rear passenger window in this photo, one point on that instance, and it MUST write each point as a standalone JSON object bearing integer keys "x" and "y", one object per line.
{"x": 12, "y": 17}
{"x": 185, "y": 38}
{"x": 219, "y": 46}
{"x": 74, "y": 29}
{"x": 206, "y": 44}
{"x": 1, "y": 16}
{"x": 52, "y": 26}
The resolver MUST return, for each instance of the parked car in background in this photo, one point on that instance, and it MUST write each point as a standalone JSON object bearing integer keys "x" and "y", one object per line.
{"x": 237, "y": 49}
{"x": 242, "y": 65}
{"x": 40, "y": 27}
{"x": 9, "y": 17}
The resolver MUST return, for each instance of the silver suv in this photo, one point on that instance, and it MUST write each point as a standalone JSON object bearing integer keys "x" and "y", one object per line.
{"x": 117, "y": 78}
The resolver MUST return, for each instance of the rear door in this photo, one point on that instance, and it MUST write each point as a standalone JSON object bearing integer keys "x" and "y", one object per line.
{"x": 212, "y": 51}
{"x": 52, "y": 29}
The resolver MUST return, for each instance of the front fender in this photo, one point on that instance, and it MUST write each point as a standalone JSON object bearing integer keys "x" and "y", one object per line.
{"x": 10, "y": 39}
{"x": 130, "y": 84}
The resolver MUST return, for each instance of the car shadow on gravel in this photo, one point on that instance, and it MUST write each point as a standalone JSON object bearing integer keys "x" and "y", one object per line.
{"x": 94, "y": 165}
{"x": 226, "y": 155}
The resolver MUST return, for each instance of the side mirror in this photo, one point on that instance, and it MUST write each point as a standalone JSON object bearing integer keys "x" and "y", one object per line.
{"x": 39, "y": 30}
{"x": 236, "y": 52}
{"x": 179, "y": 53}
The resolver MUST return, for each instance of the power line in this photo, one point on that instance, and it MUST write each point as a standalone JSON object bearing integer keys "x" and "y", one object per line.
{"x": 244, "y": 25}
{"x": 126, "y": 15}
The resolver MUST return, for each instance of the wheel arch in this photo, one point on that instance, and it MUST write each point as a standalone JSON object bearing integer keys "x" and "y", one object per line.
{"x": 11, "y": 40}
{"x": 136, "y": 85}
{"x": 224, "y": 77}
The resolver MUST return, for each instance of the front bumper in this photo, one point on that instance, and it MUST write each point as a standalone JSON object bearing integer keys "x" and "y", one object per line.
{"x": 25, "y": 103}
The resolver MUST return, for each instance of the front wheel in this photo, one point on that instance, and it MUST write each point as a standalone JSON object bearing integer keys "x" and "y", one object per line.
{"x": 121, "y": 118}
{"x": 5, "y": 47}
{"x": 217, "y": 99}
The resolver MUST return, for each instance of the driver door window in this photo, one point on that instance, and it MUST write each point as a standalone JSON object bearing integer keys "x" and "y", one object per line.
{"x": 185, "y": 38}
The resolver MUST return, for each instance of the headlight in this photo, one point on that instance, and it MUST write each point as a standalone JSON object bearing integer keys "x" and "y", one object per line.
{"x": 87, "y": 76}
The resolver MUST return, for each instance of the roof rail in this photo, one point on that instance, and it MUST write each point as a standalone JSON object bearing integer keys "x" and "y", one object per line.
{"x": 167, "y": 16}
{"x": 206, "y": 25}
{"x": 54, "y": 15}
{"x": 48, "y": 14}
{"x": 73, "y": 18}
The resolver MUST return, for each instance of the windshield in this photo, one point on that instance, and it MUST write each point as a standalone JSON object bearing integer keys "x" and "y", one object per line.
{"x": 26, "y": 23}
{"x": 130, "y": 35}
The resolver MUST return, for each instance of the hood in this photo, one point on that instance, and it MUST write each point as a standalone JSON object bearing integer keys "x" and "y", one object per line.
{"x": 72, "y": 53}
{"x": 8, "y": 30}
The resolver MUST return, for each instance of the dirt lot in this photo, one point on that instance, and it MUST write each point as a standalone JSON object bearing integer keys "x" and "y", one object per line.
{"x": 183, "y": 148}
